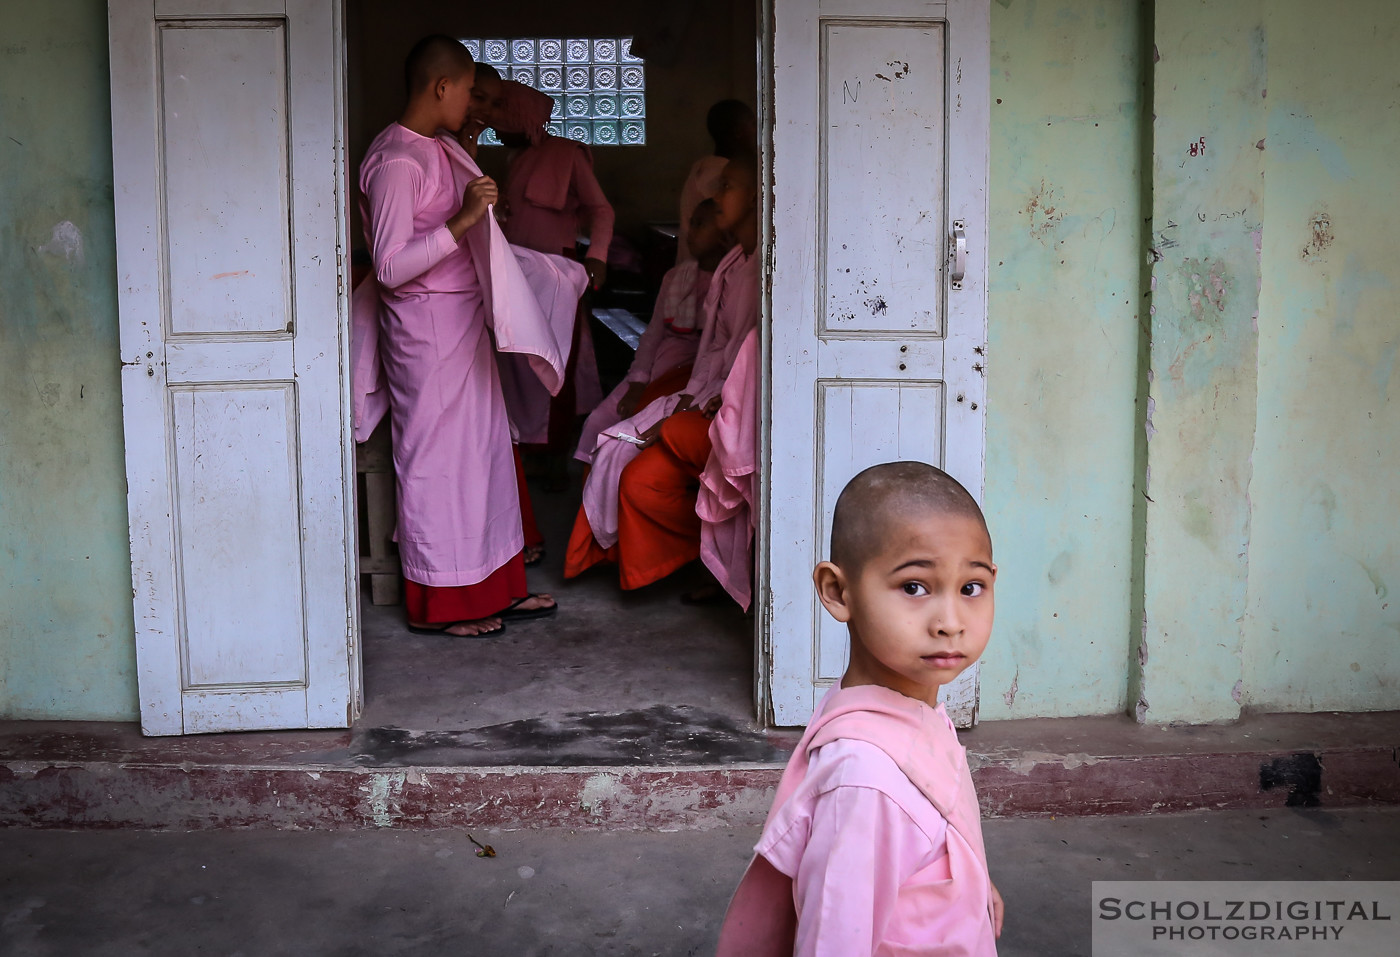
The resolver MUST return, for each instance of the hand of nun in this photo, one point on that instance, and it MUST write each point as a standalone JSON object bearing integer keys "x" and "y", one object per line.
{"x": 650, "y": 435}
{"x": 711, "y": 408}
{"x": 627, "y": 405}
{"x": 597, "y": 272}
{"x": 479, "y": 194}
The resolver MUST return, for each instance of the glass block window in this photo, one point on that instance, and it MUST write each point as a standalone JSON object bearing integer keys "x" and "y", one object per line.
{"x": 599, "y": 87}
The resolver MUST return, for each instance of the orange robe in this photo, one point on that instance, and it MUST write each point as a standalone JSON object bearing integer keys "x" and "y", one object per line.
{"x": 658, "y": 529}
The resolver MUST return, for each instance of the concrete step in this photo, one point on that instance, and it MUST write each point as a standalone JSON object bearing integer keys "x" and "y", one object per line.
{"x": 82, "y": 775}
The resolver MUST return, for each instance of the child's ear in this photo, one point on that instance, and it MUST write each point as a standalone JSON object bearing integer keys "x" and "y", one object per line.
{"x": 831, "y": 590}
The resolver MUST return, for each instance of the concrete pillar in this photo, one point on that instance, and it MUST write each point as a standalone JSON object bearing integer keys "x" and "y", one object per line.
{"x": 1209, "y": 89}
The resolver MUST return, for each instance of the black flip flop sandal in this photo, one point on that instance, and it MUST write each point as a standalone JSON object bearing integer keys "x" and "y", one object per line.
{"x": 442, "y": 632}
{"x": 512, "y": 614}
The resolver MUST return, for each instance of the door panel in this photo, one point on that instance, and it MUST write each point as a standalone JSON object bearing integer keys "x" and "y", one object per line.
{"x": 882, "y": 235}
{"x": 229, "y": 177}
{"x": 225, "y": 218}
{"x": 879, "y": 124}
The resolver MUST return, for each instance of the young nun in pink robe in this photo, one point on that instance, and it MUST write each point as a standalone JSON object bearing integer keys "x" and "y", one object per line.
{"x": 729, "y": 484}
{"x": 639, "y": 499}
{"x": 732, "y": 126}
{"x": 666, "y": 352}
{"x": 873, "y": 846}
{"x": 444, "y": 272}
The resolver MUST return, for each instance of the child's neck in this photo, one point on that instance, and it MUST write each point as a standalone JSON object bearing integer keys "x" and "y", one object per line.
{"x": 421, "y": 118}
{"x": 865, "y": 669}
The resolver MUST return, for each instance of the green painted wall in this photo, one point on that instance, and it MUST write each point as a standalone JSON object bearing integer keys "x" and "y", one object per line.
{"x": 1270, "y": 539}
{"x": 1323, "y": 625}
{"x": 1065, "y": 299}
{"x": 1240, "y": 558}
{"x": 66, "y": 647}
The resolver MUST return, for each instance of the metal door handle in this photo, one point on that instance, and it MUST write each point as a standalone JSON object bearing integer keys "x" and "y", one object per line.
{"x": 957, "y": 253}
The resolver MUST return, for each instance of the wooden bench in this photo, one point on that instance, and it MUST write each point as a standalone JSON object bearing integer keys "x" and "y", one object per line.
{"x": 377, "y": 506}
{"x": 623, "y": 323}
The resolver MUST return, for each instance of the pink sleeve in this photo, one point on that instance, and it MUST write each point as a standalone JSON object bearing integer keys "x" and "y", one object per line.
{"x": 400, "y": 254}
{"x": 640, "y": 370}
{"x": 847, "y": 884}
{"x": 701, "y": 371}
{"x": 599, "y": 211}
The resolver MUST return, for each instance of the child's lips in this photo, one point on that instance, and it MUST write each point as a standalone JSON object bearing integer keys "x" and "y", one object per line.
{"x": 945, "y": 658}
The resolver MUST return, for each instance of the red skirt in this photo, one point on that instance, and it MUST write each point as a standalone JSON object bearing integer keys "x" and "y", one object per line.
{"x": 432, "y": 604}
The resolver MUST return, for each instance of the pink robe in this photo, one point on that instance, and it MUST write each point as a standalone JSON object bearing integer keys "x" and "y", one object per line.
{"x": 874, "y": 842}
{"x": 441, "y": 301}
{"x": 557, "y": 283}
{"x": 549, "y": 189}
{"x": 669, "y": 342}
{"x": 731, "y": 312}
{"x": 728, "y": 486}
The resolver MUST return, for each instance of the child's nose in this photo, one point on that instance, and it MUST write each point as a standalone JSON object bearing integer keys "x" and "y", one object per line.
{"x": 947, "y": 616}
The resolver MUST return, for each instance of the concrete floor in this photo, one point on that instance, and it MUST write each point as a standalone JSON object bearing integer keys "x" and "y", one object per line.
{"x": 573, "y": 895}
{"x": 614, "y": 678}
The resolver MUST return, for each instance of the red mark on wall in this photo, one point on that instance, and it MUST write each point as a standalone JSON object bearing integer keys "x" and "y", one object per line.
{"x": 1197, "y": 148}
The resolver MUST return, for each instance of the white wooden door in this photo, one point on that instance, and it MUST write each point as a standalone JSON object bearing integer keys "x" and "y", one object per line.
{"x": 227, "y": 153}
{"x": 879, "y": 123}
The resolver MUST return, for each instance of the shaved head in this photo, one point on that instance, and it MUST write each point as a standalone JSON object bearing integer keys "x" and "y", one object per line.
{"x": 485, "y": 71}
{"x": 731, "y": 124}
{"x": 433, "y": 58}
{"x": 877, "y": 499}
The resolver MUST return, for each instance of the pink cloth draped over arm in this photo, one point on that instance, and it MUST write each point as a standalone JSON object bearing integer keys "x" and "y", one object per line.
{"x": 517, "y": 320}
{"x": 728, "y": 484}
{"x": 557, "y": 284}
{"x": 369, "y": 390}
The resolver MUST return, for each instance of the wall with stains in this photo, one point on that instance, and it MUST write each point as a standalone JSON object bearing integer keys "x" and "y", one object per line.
{"x": 1270, "y": 524}
{"x": 1190, "y": 461}
{"x": 1323, "y": 628}
{"x": 1066, "y": 240}
{"x": 66, "y": 647}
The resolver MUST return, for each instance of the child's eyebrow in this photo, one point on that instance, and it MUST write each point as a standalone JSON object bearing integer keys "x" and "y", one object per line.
{"x": 929, "y": 563}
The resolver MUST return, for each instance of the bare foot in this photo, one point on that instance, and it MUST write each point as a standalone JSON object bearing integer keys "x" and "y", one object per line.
{"x": 535, "y": 602}
{"x": 477, "y": 628}
{"x": 532, "y": 554}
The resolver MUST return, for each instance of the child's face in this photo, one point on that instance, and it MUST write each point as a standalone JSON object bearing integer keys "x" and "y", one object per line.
{"x": 736, "y": 198}
{"x": 485, "y": 100}
{"x": 704, "y": 236}
{"x": 920, "y": 610}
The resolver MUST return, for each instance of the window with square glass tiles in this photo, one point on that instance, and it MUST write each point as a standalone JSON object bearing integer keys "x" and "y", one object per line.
{"x": 598, "y": 86}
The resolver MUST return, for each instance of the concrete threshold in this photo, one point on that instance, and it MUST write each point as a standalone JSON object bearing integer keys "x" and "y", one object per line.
{"x": 81, "y": 775}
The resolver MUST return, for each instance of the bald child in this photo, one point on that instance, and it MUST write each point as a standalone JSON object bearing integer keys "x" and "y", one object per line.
{"x": 874, "y": 842}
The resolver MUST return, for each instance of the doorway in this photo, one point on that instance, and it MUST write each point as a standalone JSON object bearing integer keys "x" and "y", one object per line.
{"x": 232, "y": 121}
{"x": 636, "y": 675}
